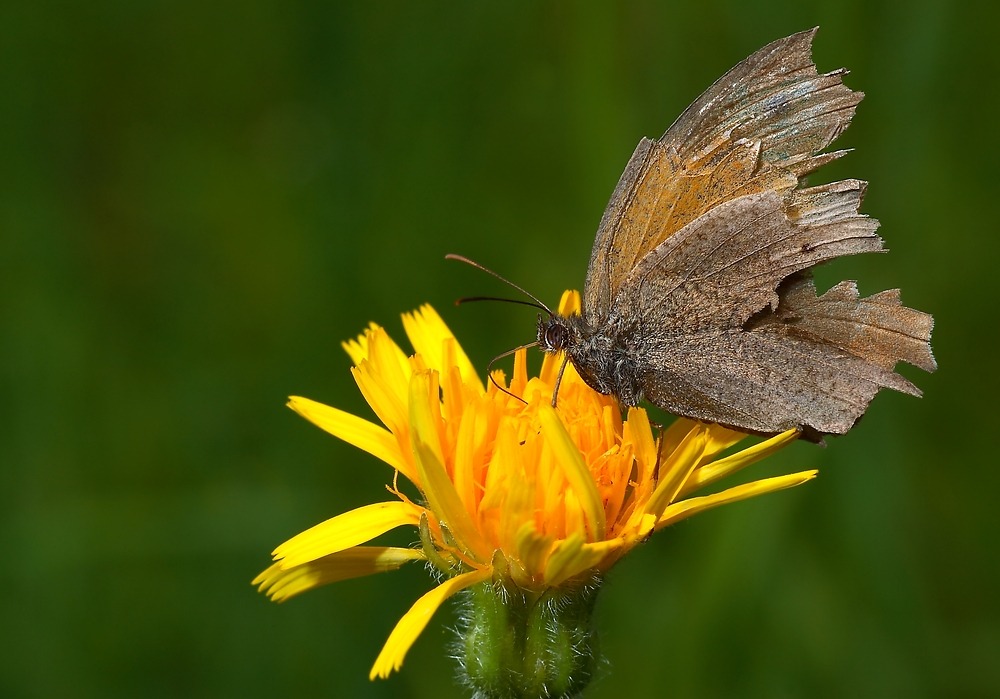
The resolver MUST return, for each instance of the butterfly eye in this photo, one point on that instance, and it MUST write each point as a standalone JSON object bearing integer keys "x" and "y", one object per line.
{"x": 556, "y": 336}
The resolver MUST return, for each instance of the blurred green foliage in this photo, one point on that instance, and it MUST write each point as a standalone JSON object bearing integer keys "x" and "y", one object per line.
{"x": 199, "y": 202}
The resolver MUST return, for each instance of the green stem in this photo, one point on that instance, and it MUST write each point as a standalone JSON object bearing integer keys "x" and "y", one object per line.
{"x": 519, "y": 644}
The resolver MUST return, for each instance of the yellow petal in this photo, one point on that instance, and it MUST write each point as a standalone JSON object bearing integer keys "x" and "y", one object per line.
{"x": 346, "y": 530}
{"x": 357, "y": 348}
{"x": 281, "y": 584}
{"x": 519, "y": 377}
{"x": 691, "y": 506}
{"x": 434, "y": 341}
{"x": 709, "y": 473}
{"x": 367, "y": 436}
{"x": 518, "y": 505}
{"x": 383, "y": 399}
{"x": 532, "y": 549}
{"x": 672, "y": 437}
{"x": 388, "y": 363}
{"x": 719, "y": 439}
{"x": 467, "y": 458}
{"x": 572, "y": 560}
{"x": 435, "y": 482}
{"x": 569, "y": 303}
{"x": 563, "y": 557}
{"x": 414, "y": 621}
{"x": 676, "y": 468}
{"x": 575, "y": 469}
{"x": 640, "y": 433}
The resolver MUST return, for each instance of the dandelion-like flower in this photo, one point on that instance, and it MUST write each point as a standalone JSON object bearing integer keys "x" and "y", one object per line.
{"x": 526, "y": 504}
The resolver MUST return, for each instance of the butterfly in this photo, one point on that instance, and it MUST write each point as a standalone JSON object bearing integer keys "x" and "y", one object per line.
{"x": 699, "y": 296}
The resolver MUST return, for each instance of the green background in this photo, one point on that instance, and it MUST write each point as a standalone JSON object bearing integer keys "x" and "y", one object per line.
{"x": 199, "y": 201}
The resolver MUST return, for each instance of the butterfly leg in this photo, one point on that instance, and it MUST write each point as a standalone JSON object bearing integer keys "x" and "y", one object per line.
{"x": 562, "y": 370}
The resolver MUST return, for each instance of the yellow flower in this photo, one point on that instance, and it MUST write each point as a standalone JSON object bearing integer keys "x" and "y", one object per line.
{"x": 511, "y": 487}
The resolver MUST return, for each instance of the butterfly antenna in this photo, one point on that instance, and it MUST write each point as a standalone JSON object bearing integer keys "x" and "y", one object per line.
{"x": 489, "y": 368}
{"x": 521, "y": 302}
{"x": 537, "y": 304}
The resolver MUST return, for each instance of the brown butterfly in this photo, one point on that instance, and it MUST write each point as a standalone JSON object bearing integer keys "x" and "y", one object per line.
{"x": 698, "y": 296}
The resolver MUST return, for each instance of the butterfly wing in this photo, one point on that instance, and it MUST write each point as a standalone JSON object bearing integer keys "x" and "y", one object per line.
{"x": 699, "y": 272}
{"x": 725, "y": 266}
{"x": 758, "y": 128}
{"x": 780, "y": 382}
{"x": 727, "y": 326}
{"x": 878, "y": 329}
{"x": 816, "y": 362}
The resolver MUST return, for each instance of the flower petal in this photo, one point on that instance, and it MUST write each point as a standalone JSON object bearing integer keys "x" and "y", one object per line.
{"x": 357, "y": 348}
{"x": 691, "y": 506}
{"x": 709, "y": 473}
{"x": 346, "y": 530}
{"x": 719, "y": 439}
{"x": 569, "y": 303}
{"x": 433, "y": 340}
{"x": 580, "y": 478}
{"x": 365, "y": 435}
{"x": 572, "y": 560}
{"x": 563, "y": 557}
{"x": 281, "y": 584}
{"x": 532, "y": 549}
{"x": 435, "y": 482}
{"x": 389, "y": 363}
{"x": 383, "y": 399}
{"x": 676, "y": 468}
{"x": 415, "y": 620}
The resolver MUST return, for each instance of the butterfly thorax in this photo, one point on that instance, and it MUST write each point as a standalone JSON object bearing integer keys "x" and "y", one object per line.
{"x": 602, "y": 359}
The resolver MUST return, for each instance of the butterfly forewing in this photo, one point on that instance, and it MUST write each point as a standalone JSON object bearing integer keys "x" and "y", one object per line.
{"x": 755, "y": 130}
{"x": 775, "y": 96}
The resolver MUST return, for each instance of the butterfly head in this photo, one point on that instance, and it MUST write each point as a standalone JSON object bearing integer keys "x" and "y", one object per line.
{"x": 556, "y": 333}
